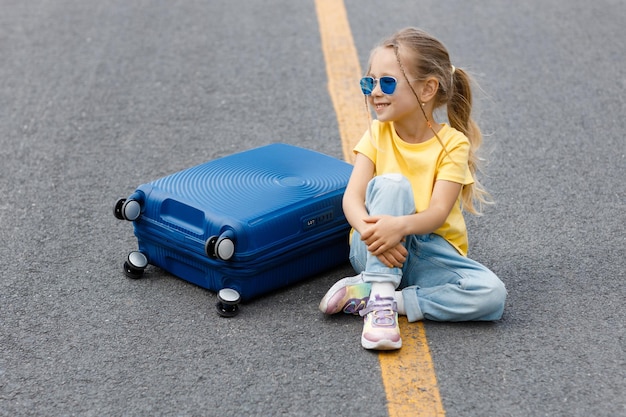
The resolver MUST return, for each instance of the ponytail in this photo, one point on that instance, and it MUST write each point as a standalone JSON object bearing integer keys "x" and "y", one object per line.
{"x": 473, "y": 196}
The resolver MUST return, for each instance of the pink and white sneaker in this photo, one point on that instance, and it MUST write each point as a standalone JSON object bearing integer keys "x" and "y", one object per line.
{"x": 380, "y": 324}
{"x": 349, "y": 295}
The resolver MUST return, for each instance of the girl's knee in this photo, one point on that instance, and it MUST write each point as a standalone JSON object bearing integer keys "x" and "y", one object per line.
{"x": 494, "y": 297}
{"x": 390, "y": 194}
{"x": 489, "y": 294}
{"x": 499, "y": 289}
{"x": 395, "y": 184}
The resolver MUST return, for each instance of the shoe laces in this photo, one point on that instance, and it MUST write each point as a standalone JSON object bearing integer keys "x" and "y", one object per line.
{"x": 383, "y": 311}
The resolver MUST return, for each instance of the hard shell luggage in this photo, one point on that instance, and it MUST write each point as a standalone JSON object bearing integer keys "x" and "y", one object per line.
{"x": 246, "y": 224}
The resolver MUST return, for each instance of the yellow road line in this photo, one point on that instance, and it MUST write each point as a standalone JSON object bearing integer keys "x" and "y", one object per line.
{"x": 408, "y": 374}
{"x": 344, "y": 72}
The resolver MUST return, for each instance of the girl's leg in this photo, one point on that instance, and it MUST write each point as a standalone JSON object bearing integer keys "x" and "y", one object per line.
{"x": 389, "y": 194}
{"x": 372, "y": 291}
{"x": 442, "y": 285}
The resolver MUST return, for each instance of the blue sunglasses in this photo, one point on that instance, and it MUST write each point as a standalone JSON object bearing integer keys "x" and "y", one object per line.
{"x": 387, "y": 84}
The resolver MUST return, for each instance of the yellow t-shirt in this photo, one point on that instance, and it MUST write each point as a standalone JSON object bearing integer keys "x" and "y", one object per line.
{"x": 423, "y": 164}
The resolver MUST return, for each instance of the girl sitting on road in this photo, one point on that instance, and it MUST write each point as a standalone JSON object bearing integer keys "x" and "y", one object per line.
{"x": 411, "y": 180}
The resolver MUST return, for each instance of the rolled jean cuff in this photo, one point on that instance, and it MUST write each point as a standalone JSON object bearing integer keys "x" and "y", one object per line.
{"x": 411, "y": 305}
{"x": 381, "y": 277}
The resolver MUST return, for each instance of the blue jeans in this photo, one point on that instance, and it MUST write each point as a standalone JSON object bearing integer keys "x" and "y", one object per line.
{"x": 437, "y": 282}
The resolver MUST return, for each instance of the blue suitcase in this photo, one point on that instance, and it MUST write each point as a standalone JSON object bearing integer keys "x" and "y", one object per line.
{"x": 244, "y": 224}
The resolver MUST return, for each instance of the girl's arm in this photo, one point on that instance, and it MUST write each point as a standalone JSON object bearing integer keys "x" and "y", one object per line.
{"x": 354, "y": 196}
{"x": 356, "y": 213}
{"x": 385, "y": 232}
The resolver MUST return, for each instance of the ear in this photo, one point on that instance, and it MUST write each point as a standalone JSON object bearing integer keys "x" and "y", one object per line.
{"x": 429, "y": 89}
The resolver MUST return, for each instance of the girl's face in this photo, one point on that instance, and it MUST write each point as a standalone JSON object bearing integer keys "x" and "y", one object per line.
{"x": 402, "y": 104}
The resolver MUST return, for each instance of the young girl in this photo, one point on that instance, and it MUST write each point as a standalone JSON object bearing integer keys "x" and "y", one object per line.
{"x": 404, "y": 201}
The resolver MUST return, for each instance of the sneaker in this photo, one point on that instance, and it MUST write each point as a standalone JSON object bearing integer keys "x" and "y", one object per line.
{"x": 349, "y": 295}
{"x": 380, "y": 326}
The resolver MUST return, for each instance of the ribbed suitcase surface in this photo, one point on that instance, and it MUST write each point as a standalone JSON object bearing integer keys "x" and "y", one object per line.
{"x": 252, "y": 221}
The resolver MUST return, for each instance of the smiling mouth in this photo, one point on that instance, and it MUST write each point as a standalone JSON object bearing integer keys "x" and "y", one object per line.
{"x": 380, "y": 106}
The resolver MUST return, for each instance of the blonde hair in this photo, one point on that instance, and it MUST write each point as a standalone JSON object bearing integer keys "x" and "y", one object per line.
{"x": 427, "y": 57}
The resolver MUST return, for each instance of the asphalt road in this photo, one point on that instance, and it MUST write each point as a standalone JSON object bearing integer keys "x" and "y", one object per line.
{"x": 97, "y": 97}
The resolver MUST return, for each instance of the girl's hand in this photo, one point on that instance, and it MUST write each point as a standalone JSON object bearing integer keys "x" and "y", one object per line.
{"x": 382, "y": 234}
{"x": 394, "y": 257}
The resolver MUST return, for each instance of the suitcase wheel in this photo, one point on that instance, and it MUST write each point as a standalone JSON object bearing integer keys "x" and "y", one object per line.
{"x": 221, "y": 247}
{"x": 228, "y": 302}
{"x": 127, "y": 209}
{"x": 135, "y": 264}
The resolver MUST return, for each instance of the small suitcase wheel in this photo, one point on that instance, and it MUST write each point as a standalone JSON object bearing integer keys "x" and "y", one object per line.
{"x": 209, "y": 246}
{"x": 135, "y": 264}
{"x": 219, "y": 247}
{"x": 117, "y": 210}
{"x": 131, "y": 210}
{"x": 127, "y": 209}
{"x": 228, "y": 302}
{"x": 224, "y": 248}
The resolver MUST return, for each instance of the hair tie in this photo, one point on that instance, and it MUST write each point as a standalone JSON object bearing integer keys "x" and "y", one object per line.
{"x": 453, "y": 69}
